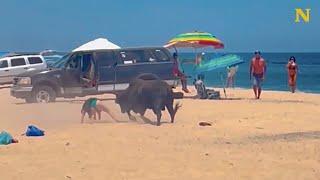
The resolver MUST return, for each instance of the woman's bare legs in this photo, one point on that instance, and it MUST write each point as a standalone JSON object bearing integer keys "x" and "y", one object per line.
{"x": 100, "y": 107}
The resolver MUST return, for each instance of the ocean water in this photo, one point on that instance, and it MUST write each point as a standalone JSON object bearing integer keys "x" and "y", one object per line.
{"x": 2, "y": 53}
{"x": 276, "y": 78}
{"x": 308, "y": 79}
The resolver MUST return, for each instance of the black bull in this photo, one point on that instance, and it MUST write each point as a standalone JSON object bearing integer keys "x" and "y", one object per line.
{"x": 148, "y": 94}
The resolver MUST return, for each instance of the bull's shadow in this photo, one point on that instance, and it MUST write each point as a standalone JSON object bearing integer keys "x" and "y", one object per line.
{"x": 145, "y": 120}
{"x": 133, "y": 119}
{"x": 148, "y": 121}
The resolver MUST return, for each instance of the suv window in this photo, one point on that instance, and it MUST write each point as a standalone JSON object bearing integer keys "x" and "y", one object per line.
{"x": 135, "y": 56}
{"x": 3, "y": 64}
{"x": 34, "y": 60}
{"x": 160, "y": 55}
{"x": 18, "y": 62}
{"x": 105, "y": 58}
{"x": 74, "y": 62}
{"x": 129, "y": 57}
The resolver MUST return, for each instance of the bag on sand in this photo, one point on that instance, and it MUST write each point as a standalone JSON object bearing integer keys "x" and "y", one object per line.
{"x": 5, "y": 138}
{"x": 34, "y": 131}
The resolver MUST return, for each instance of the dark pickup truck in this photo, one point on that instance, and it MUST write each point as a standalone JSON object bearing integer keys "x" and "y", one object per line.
{"x": 93, "y": 72}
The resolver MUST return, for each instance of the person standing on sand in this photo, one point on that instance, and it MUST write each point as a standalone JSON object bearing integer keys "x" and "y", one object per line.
{"x": 199, "y": 58}
{"x": 176, "y": 72}
{"x": 231, "y": 72}
{"x": 257, "y": 71}
{"x": 292, "y": 68}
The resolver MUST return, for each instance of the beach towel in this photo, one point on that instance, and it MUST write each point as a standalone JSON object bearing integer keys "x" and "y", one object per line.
{"x": 34, "y": 131}
{"x": 5, "y": 138}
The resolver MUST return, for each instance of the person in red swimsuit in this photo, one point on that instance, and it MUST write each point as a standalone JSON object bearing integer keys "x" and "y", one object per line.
{"x": 176, "y": 72}
{"x": 292, "y": 68}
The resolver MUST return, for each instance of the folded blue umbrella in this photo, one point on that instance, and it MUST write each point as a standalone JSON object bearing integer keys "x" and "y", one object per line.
{"x": 34, "y": 131}
{"x": 5, "y": 138}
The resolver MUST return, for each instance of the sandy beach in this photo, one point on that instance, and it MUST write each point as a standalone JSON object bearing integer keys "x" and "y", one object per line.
{"x": 277, "y": 137}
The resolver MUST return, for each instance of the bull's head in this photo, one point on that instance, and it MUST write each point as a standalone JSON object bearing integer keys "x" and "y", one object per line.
{"x": 122, "y": 100}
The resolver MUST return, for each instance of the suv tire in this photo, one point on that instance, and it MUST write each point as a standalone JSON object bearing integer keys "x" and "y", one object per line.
{"x": 42, "y": 94}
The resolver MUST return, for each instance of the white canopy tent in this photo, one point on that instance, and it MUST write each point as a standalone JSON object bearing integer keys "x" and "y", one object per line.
{"x": 97, "y": 44}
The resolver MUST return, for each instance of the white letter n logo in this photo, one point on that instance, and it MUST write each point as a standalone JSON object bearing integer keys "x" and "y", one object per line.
{"x": 305, "y": 15}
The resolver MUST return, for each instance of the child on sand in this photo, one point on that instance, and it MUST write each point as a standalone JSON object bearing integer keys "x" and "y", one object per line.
{"x": 93, "y": 106}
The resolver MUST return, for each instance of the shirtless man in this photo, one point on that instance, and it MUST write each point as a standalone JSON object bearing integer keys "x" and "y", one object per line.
{"x": 257, "y": 71}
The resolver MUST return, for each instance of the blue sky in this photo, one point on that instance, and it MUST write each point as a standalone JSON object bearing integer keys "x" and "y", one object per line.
{"x": 244, "y": 25}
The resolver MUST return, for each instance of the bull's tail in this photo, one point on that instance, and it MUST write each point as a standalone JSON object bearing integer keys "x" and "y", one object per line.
{"x": 177, "y": 106}
{"x": 173, "y": 110}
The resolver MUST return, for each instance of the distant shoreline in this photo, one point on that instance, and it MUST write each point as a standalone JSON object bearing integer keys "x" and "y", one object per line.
{"x": 264, "y": 90}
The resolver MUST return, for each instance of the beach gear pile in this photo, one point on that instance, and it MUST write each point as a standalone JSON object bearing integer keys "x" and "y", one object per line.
{"x": 5, "y": 138}
{"x": 203, "y": 92}
{"x": 34, "y": 131}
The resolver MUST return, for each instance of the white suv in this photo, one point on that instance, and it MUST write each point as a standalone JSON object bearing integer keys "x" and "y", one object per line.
{"x": 15, "y": 65}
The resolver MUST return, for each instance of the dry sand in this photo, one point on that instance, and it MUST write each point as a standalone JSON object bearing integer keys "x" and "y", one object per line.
{"x": 277, "y": 137}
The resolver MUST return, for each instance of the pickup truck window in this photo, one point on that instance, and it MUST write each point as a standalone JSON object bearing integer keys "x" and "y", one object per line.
{"x": 3, "y": 64}
{"x": 18, "y": 62}
{"x": 61, "y": 62}
{"x": 74, "y": 62}
{"x": 160, "y": 55}
{"x": 135, "y": 56}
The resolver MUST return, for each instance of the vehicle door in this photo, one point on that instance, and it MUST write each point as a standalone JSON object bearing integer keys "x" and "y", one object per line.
{"x": 18, "y": 66}
{"x": 106, "y": 65}
{"x": 5, "y": 72}
{"x": 71, "y": 74}
{"x": 36, "y": 63}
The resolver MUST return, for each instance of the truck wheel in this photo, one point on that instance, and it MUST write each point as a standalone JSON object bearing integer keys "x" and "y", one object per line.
{"x": 43, "y": 94}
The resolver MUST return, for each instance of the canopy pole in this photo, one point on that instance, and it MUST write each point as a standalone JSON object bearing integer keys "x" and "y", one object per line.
{"x": 195, "y": 63}
{"x": 175, "y": 49}
{"x": 224, "y": 85}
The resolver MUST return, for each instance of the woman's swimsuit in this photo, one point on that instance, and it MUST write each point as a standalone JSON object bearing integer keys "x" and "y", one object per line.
{"x": 292, "y": 74}
{"x": 89, "y": 104}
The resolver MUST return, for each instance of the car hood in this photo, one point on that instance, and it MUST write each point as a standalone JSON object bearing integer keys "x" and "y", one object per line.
{"x": 37, "y": 72}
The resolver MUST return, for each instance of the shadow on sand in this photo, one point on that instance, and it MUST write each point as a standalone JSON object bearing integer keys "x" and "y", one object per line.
{"x": 134, "y": 119}
{"x": 293, "y": 136}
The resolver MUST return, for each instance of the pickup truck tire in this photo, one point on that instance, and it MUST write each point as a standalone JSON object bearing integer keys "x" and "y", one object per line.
{"x": 42, "y": 94}
{"x": 148, "y": 76}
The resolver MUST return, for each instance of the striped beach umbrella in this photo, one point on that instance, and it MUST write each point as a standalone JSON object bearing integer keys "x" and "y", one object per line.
{"x": 195, "y": 40}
